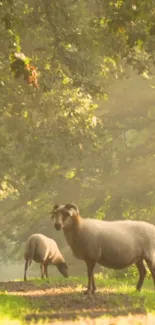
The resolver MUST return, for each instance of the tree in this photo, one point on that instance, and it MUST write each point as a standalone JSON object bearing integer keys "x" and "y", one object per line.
{"x": 54, "y": 146}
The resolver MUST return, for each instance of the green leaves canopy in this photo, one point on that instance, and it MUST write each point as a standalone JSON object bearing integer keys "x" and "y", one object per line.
{"x": 55, "y": 144}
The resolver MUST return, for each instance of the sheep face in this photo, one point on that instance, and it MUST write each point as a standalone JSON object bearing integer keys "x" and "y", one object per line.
{"x": 63, "y": 269}
{"x": 63, "y": 215}
{"x": 62, "y": 218}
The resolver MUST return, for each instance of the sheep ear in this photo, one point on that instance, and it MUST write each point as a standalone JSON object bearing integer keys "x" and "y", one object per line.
{"x": 70, "y": 206}
{"x": 56, "y": 206}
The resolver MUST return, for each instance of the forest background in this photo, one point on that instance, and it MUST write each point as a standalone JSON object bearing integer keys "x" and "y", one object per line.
{"x": 83, "y": 129}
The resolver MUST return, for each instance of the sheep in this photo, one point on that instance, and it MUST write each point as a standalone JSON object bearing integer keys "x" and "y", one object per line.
{"x": 112, "y": 244}
{"x": 45, "y": 251}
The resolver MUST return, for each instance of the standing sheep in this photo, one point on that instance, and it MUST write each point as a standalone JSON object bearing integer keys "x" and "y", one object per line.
{"x": 45, "y": 251}
{"x": 112, "y": 244}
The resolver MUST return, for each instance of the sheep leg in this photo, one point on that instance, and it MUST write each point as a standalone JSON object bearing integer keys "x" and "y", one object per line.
{"x": 142, "y": 273}
{"x": 42, "y": 269}
{"x": 25, "y": 270}
{"x": 46, "y": 270}
{"x": 91, "y": 284}
{"x": 151, "y": 267}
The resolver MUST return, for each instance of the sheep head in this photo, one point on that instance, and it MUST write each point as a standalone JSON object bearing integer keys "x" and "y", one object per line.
{"x": 63, "y": 215}
{"x": 63, "y": 268}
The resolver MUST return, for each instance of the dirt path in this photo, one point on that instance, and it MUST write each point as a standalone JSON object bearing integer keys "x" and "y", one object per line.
{"x": 68, "y": 305}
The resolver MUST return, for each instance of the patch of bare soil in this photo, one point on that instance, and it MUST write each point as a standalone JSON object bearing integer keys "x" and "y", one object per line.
{"x": 65, "y": 305}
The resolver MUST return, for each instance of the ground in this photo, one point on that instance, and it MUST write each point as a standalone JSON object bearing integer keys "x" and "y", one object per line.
{"x": 61, "y": 301}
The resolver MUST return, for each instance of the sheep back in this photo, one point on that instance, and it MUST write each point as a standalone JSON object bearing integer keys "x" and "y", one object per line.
{"x": 113, "y": 244}
{"x": 41, "y": 248}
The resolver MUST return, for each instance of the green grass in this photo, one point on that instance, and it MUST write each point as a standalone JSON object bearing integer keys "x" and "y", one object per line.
{"x": 62, "y": 299}
{"x": 11, "y": 308}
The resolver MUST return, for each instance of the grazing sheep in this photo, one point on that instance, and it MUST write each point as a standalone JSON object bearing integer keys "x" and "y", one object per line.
{"x": 112, "y": 244}
{"x": 45, "y": 251}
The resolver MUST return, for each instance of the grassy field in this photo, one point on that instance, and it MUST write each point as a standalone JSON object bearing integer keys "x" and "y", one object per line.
{"x": 61, "y": 301}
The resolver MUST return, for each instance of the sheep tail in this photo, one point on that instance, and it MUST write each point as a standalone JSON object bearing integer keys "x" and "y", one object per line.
{"x": 32, "y": 251}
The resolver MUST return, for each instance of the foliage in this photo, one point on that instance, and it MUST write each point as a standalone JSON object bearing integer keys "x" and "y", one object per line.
{"x": 56, "y": 145}
{"x": 20, "y": 66}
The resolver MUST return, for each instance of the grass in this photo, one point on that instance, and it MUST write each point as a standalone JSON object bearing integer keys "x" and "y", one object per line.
{"x": 62, "y": 300}
{"x": 12, "y": 308}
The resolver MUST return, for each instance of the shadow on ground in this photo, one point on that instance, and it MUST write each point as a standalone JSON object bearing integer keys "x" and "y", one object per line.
{"x": 70, "y": 303}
